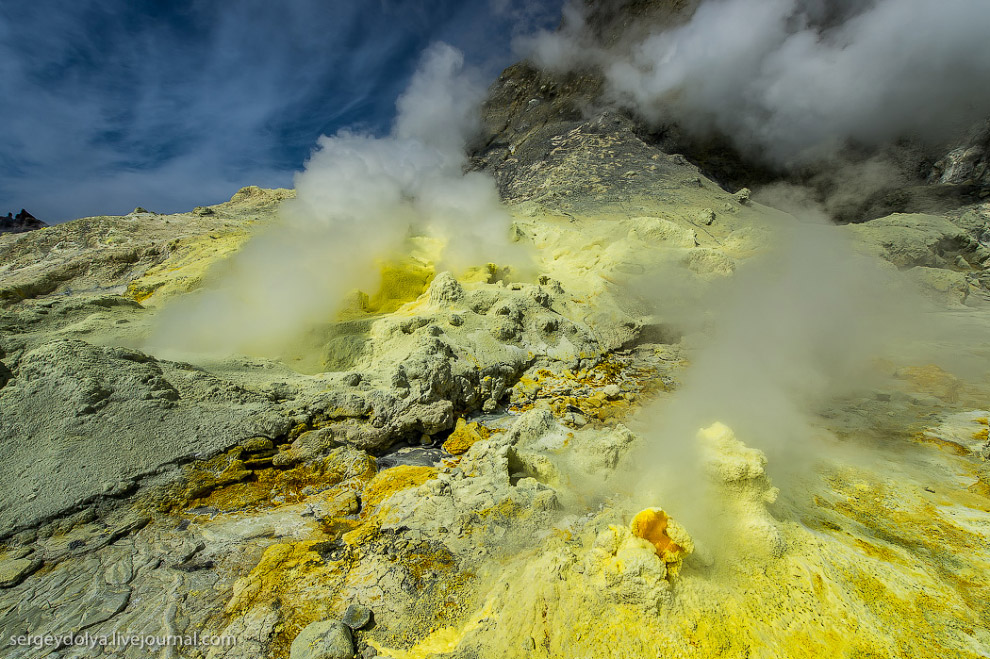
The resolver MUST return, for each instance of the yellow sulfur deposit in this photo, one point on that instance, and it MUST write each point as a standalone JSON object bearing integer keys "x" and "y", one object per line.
{"x": 932, "y": 380}
{"x": 465, "y": 435}
{"x": 388, "y": 482}
{"x": 401, "y": 282}
{"x": 291, "y": 578}
{"x": 189, "y": 260}
{"x": 982, "y": 434}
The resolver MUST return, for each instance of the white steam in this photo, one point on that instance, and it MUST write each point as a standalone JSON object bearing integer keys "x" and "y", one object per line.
{"x": 793, "y": 331}
{"x": 359, "y": 199}
{"x": 792, "y": 80}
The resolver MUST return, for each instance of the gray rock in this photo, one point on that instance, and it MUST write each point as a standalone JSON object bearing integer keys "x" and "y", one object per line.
{"x": 307, "y": 446}
{"x": 968, "y": 163}
{"x": 357, "y": 616}
{"x": 257, "y": 444}
{"x": 103, "y": 603}
{"x": 908, "y": 240}
{"x": 420, "y": 369}
{"x": 79, "y": 417}
{"x": 417, "y": 456}
{"x": 326, "y": 639}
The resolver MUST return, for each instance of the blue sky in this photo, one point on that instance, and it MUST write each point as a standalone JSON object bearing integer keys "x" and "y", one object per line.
{"x": 110, "y": 104}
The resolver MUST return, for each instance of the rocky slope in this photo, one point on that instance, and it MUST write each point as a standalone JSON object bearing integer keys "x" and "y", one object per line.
{"x": 527, "y": 107}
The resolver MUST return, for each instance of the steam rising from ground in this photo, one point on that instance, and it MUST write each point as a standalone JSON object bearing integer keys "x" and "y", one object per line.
{"x": 359, "y": 199}
{"x": 794, "y": 80}
{"x": 802, "y": 85}
{"x": 795, "y": 329}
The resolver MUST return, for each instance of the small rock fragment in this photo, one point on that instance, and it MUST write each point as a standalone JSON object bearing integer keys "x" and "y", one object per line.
{"x": 357, "y": 616}
{"x": 576, "y": 419}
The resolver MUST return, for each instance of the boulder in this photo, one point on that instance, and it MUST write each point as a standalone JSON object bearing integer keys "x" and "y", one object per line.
{"x": 326, "y": 639}
{"x": 357, "y": 616}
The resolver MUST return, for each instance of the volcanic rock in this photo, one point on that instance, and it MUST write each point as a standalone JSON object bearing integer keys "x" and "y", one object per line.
{"x": 20, "y": 223}
{"x": 328, "y": 639}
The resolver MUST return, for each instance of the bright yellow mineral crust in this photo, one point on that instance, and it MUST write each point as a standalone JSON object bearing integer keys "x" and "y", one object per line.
{"x": 465, "y": 436}
{"x": 388, "y": 482}
{"x": 652, "y": 525}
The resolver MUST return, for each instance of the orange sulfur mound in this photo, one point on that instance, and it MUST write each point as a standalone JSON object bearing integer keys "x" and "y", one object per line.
{"x": 651, "y": 525}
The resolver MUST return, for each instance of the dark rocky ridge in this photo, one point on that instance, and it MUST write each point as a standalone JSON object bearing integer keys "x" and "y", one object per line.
{"x": 528, "y": 109}
{"x": 20, "y": 223}
{"x": 615, "y": 21}
{"x": 528, "y": 112}
{"x": 968, "y": 164}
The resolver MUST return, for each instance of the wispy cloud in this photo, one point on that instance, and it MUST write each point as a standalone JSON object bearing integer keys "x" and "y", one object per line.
{"x": 111, "y": 104}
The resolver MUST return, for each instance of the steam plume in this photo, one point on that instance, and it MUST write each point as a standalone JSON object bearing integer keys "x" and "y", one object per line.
{"x": 795, "y": 330}
{"x": 359, "y": 198}
{"x": 793, "y": 80}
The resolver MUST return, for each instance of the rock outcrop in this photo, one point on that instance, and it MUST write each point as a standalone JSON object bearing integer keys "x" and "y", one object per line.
{"x": 20, "y": 223}
{"x": 968, "y": 164}
{"x": 91, "y": 421}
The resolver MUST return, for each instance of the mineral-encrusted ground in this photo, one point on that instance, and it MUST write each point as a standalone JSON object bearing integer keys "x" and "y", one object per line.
{"x": 443, "y": 471}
